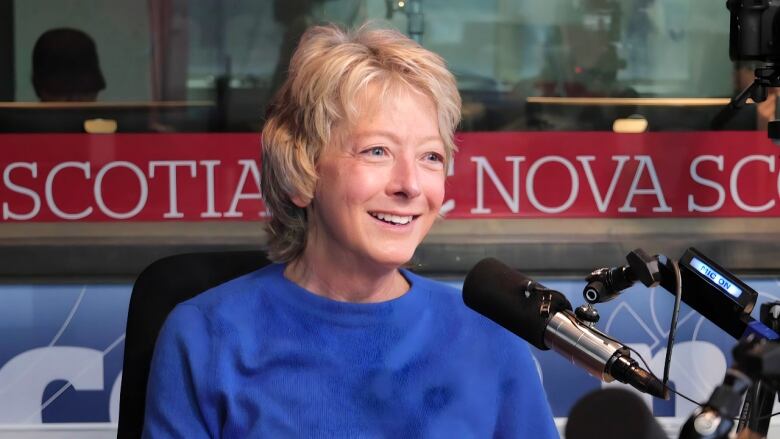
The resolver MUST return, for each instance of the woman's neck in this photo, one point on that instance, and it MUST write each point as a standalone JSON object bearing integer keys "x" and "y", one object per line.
{"x": 344, "y": 282}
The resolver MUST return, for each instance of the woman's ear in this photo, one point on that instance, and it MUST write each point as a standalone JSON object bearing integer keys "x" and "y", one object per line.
{"x": 300, "y": 201}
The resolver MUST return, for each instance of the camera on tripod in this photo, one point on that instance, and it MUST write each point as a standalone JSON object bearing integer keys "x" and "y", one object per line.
{"x": 754, "y": 35}
{"x": 754, "y": 30}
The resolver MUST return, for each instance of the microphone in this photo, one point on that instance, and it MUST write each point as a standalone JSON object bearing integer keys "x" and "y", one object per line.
{"x": 543, "y": 317}
{"x": 612, "y": 413}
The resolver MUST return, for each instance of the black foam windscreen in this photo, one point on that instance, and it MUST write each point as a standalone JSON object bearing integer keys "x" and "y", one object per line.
{"x": 612, "y": 413}
{"x": 500, "y": 293}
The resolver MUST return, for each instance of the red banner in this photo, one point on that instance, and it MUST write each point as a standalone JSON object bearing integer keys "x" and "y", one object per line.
{"x": 201, "y": 177}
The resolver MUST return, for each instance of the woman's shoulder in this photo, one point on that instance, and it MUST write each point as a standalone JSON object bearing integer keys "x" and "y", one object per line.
{"x": 235, "y": 295}
{"x": 446, "y": 298}
{"x": 230, "y": 311}
{"x": 439, "y": 288}
{"x": 447, "y": 301}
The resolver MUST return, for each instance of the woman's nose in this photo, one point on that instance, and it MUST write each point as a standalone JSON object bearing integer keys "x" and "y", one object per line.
{"x": 404, "y": 180}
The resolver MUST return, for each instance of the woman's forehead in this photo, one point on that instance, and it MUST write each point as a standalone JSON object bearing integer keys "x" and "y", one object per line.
{"x": 376, "y": 98}
{"x": 387, "y": 114}
{"x": 382, "y": 90}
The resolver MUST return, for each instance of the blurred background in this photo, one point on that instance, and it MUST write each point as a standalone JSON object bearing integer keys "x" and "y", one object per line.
{"x": 216, "y": 63}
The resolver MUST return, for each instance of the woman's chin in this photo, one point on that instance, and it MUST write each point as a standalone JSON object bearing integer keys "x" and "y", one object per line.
{"x": 393, "y": 259}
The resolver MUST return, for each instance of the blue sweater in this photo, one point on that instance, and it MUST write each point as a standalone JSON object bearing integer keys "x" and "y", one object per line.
{"x": 260, "y": 356}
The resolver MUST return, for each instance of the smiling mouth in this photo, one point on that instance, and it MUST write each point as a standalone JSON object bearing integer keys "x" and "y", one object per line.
{"x": 398, "y": 220}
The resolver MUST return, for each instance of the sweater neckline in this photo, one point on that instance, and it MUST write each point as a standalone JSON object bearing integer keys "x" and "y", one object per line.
{"x": 394, "y": 311}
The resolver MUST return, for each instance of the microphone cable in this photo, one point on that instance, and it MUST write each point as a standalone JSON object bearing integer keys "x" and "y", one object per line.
{"x": 670, "y": 342}
{"x": 765, "y": 416}
{"x": 673, "y": 324}
{"x": 768, "y": 416}
{"x": 642, "y": 359}
{"x": 672, "y": 330}
{"x": 672, "y": 334}
{"x": 691, "y": 400}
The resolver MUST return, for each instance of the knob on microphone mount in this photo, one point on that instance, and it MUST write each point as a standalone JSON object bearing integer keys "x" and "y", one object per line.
{"x": 604, "y": 284}
{"x": 587, "y": 314}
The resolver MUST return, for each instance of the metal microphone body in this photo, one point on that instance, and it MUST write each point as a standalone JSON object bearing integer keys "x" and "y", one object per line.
{"x": 543, "y": 317}
{"x": 581, "y": 345}
{"x": 597, "y": 353}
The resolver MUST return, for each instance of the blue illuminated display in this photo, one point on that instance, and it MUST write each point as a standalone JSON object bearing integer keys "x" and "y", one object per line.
{"x": 716, "y": 278}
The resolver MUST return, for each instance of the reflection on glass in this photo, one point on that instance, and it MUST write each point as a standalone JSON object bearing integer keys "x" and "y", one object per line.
{"x": 230, "y": 57}
{"x": 65, "y": 66}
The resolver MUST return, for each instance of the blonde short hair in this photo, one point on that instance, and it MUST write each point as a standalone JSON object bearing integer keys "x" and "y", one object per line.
{"x": 328, "y": 70}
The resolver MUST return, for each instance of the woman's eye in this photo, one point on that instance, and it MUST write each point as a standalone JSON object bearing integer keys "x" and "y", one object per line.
{"x": 434, "y": 157}
{"x": 376, "y": 151}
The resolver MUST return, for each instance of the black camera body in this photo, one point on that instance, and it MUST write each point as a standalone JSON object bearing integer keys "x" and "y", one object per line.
{"x": 755, "y": 30}
{"x": 754, "y": 35}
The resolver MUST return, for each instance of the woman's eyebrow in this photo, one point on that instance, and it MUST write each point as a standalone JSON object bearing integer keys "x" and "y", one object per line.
{"x": 393, "y": 136}
{"x": 378, "y": 133}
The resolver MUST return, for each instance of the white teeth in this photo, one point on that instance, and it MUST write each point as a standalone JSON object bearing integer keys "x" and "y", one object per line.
{"x": 395, "y": 219}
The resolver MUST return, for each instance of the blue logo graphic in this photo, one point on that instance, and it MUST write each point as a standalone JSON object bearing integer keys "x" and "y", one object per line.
{"x": 61, "y": 355}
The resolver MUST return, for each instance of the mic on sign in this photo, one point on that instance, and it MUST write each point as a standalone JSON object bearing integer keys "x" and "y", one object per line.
{"x": 543, "y": 317}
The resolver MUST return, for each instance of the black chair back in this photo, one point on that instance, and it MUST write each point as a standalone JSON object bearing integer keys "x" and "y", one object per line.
{"x": 158, "y": 289}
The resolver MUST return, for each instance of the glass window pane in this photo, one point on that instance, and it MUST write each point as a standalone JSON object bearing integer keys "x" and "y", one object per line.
{"x": 520, "y": 64}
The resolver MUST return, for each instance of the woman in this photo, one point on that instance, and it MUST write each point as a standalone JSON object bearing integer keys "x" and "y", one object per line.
{"x": 335, "y": 340}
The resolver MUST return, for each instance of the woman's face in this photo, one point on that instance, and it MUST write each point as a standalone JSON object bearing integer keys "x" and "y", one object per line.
{"x": 381, "y": 182}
